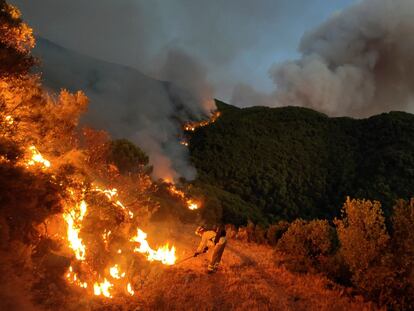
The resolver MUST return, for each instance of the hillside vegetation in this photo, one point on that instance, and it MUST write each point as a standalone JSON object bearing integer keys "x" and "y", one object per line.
{"x": 267, "y": 164}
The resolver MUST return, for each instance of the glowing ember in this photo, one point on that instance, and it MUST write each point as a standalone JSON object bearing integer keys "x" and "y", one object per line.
{"x": 37, "y": 158}
{"x": 114, "y": 272}
{"x": 163, "y": 254}
{"x": 130, "y": 290}
{"x": 73, "y": 219}
{"x": 9, "y": 120}
{"x": 102, "y": 288}
{"x": 73, "y": 278}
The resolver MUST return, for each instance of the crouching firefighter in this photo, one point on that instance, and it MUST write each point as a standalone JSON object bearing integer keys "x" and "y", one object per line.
{"x": 215, "y": 239}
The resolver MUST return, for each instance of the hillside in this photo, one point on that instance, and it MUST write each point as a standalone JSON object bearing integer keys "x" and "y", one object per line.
{"x": 266, "y": 164}
{"x": 120, "y": 97}
{"x": 247, "y": 279}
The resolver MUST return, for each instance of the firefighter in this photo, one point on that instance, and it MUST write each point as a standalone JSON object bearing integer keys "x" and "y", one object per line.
{"x": 215, "y": 239}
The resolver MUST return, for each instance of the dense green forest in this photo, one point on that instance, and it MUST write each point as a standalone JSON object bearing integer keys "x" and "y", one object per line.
{"x": 267, "y": 164}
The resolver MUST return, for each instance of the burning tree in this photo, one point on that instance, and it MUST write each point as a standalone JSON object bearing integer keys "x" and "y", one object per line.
{"x": 70, "y": 218}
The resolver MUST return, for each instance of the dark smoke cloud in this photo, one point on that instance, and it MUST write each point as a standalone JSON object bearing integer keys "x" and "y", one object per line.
{"x": 357, "y": 63}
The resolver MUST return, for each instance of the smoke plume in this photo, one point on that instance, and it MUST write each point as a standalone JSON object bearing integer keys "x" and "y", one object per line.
{"x": 158, "y": 126}
{"x": 357, "y": 63}
{"x": 130, "y": 105}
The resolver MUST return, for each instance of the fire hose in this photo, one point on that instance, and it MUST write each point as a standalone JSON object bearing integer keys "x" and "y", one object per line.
{"x": 189, "y": 257}
{"x": 184, "y": 259}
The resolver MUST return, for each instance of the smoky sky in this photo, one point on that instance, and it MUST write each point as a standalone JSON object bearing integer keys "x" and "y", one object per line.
{"x": 236, "y": 40}
{"x": 357, "y": 63}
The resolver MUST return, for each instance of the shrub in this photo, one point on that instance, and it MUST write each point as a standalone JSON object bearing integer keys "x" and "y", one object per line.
{"x": 364, "y": 246}
{"x": 400, "y": 293}
{"x": 260, "y": 235}
{"x": 275, "y": 231}
{"x": 307, "y": 245}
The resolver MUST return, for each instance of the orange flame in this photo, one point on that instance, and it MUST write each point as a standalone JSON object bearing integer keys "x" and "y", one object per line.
{"x": 103, "y": 288}
{"x": 191, "y": 204}
{"x": 192, "y": 126}
{"x": 37, "y": 158}
{"x": 74, "y": 216}
{"x": 112, "y": 194}
{"x": 73, "y": 219}
{"x": 163, "y": 254}
{"x": 73, "y": 278}
{"x": 115, "y": 273}
{"x": 130, "y": 290}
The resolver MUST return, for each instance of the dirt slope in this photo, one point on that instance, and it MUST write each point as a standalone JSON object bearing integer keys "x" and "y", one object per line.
{"x": 247, "y": 280}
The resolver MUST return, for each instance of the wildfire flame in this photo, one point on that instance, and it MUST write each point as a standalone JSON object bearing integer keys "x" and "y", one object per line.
{"x": 130, "y": 290}
{"x": 191, "y": 204}
{"x": 163, "y": 254}
{"x": 74, "y": 216}
{"x": 192, "y": 126}
{"x": 73, "y": 278}
{"x": 37, "y": 158}
{"x": 103, "y": 288}
{"x": 73, "y": 219}
{"x": 112, "y": 194}
{"x": 115, "y": 273}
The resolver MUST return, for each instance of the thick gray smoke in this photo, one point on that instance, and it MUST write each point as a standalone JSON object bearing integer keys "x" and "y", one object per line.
{"x": 131, "y": 105}
{"x": 358, "y": 63}
{"x": 189, "y": 97}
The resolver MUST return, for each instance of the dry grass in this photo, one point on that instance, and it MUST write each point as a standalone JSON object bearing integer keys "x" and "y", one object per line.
{"x": 247, "y": 279}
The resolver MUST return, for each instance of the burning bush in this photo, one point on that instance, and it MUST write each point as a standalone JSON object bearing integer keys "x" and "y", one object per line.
{"x": 71, "y": 206}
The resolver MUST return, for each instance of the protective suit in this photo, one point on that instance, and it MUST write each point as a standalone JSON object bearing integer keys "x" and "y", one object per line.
{"x": 212, "y": 239}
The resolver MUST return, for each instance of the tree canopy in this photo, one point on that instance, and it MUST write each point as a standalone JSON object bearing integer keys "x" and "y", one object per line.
{"x": 290, "y": 162}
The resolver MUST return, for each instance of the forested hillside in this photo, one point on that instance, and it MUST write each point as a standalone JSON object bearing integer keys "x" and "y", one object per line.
{"x": 267, "y": 164}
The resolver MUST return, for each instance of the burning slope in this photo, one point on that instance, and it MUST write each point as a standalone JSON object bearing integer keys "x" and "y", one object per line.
{"x": 192, "y": 126}
{"x": 108, "y": 279}
{"x": 61, "y": 213}
{"x": 191, "y": 203}
{"x": 248, "y": 279}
